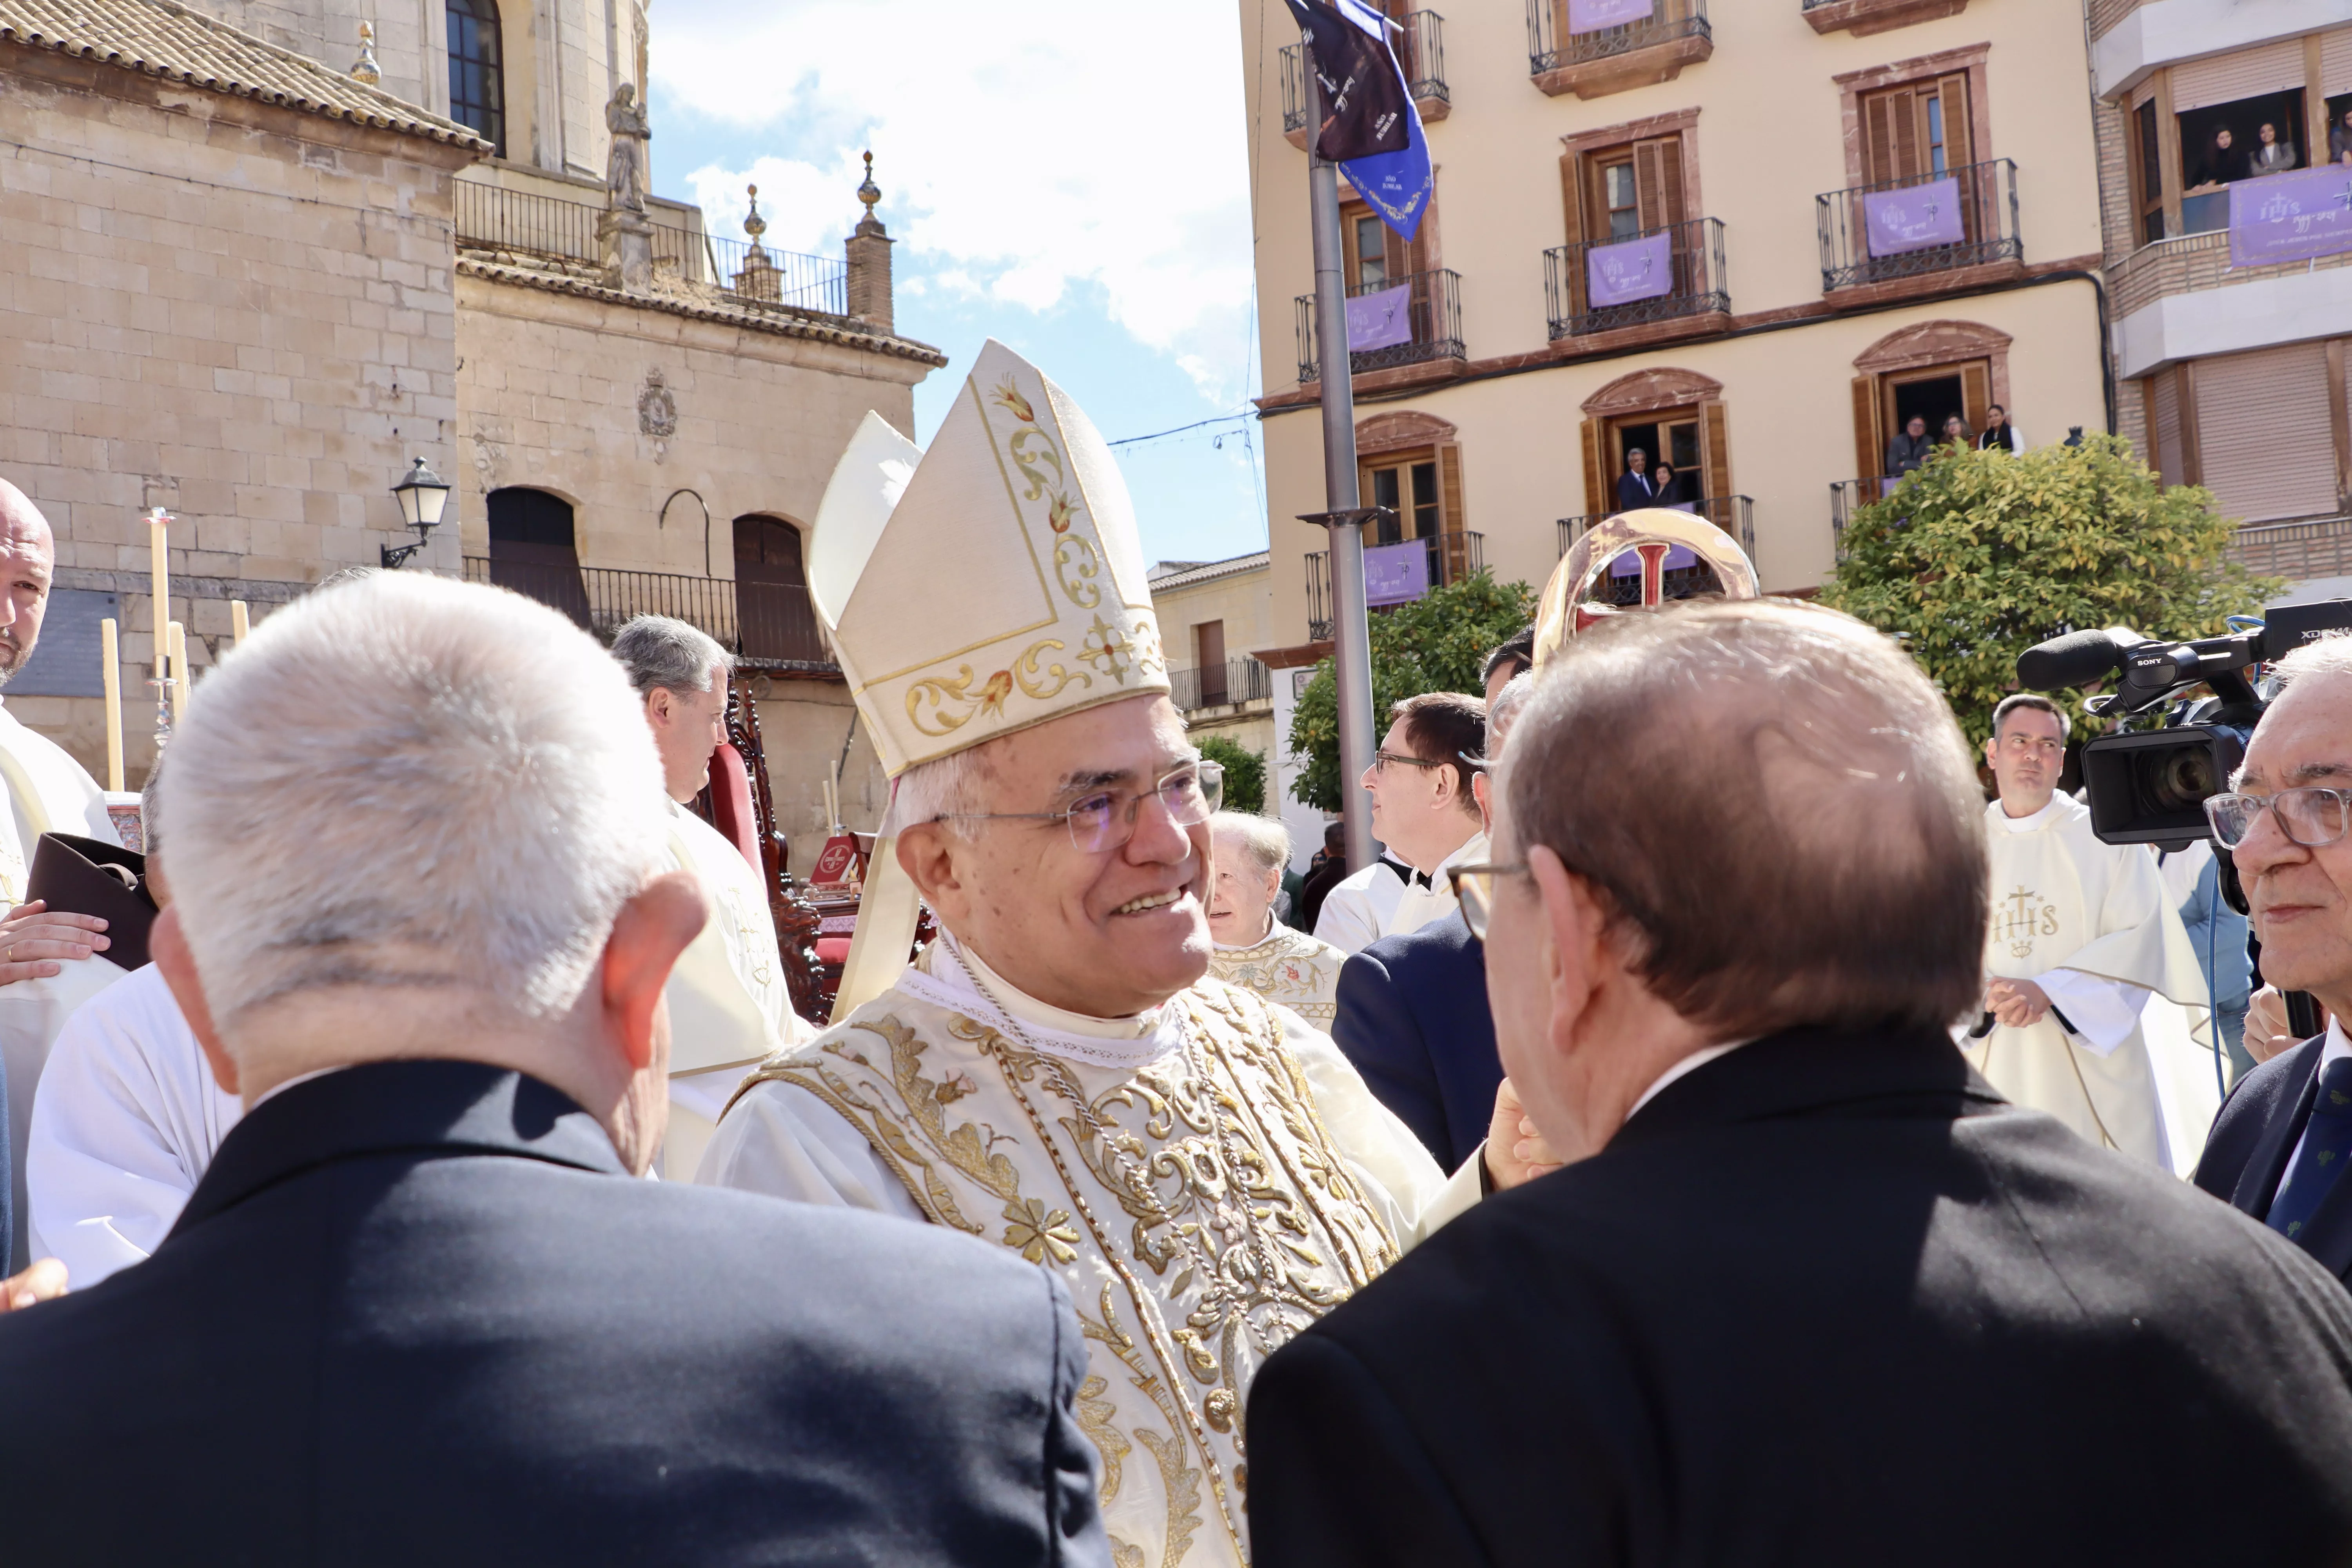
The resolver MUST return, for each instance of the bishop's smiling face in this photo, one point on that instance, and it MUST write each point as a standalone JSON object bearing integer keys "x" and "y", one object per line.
{"x": 1105, "y": 933}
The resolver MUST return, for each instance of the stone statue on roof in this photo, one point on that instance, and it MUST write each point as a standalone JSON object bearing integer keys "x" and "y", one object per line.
{"x": 624, "y": 171}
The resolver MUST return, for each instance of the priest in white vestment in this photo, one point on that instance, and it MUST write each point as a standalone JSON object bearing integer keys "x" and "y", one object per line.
{"x": 1056, "y": 1074}
{"x": 1253, "y": 949}
{"x": 729, "y": 1003}
{"x": 1425, "y": 813}
{"x": 2087, "y": 965}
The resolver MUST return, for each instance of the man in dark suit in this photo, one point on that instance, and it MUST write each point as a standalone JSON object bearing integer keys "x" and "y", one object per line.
{"x": 1808, "y": 1290}
{"x": 420, "y": 1309}
{"x": 1634, "y": 487}
{"x": 2281, "y": 1140}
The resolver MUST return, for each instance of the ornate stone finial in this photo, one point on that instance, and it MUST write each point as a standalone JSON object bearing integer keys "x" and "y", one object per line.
{"x": 755, "y": 225}
{"x": 869, "y": 192}
{"x": 365, "y": 69}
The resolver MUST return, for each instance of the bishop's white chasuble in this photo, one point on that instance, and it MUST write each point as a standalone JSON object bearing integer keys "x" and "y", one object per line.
{"x": 1289, "y": 967}
{"x": 1208, "y": 1185}
{"x": 2090, "y": 923}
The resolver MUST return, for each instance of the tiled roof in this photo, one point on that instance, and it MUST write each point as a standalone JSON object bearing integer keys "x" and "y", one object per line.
{"x": 1208, "y": 571}
{"x": 160, "y": 38}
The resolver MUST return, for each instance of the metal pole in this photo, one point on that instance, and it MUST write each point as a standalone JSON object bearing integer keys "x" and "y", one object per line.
{"x": 1352, "y": 650}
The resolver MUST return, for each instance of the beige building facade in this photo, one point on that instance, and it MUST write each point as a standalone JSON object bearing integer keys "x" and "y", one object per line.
{"x": 2231, "y": 377}
{"x": 1742, "y": 152}
{"x": 239, "y": 283}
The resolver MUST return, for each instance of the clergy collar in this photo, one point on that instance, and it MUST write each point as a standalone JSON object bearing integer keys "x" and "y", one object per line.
{"x": 2058, "y": 801}
{"x": 953, "y": 976}
{"x": 1272, "y": 927}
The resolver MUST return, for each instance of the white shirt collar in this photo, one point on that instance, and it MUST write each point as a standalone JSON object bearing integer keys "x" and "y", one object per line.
{"x": 1263, "y": 937}
{"x": 2024, "y": 823}
{"x": 958, "y": 978}
{"x": 2338, "y": 1047}
{"x": 1689, "y": 1064}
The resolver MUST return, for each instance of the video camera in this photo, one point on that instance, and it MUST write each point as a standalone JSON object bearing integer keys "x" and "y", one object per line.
{"x": 2148, "y": 787}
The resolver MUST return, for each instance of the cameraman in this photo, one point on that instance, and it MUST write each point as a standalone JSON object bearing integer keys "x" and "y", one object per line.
{"x": 2278, "y": 1147}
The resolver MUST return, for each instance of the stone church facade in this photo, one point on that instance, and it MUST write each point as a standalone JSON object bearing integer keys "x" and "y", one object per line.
{"x": 255, "y": 262}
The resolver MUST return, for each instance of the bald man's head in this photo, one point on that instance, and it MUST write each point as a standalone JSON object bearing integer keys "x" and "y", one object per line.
{"x": 29, "y": 555}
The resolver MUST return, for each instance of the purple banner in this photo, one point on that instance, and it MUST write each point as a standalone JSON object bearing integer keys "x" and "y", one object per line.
{"x": 1591, "y": 16}
{"x": 1914, "y": 218}
{"x": 2291, "y": 218}
{"x": 1396, "y": 572}
{"x": 1380, "y": 320}
{"x": 1632, "y": 269}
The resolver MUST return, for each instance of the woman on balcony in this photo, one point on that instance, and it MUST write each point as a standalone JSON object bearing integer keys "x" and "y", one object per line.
{"x": 2222, "y": 163}
{"x": 2273, "y": 156}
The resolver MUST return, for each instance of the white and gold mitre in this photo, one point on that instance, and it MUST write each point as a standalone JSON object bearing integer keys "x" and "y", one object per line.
{"x": 994, "y": 584}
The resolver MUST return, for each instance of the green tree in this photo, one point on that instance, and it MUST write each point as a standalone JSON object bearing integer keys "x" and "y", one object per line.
{"x": 1437, "y": 643}
{"x": 1244, "y": 774}
{"x": 1980, "y": 555}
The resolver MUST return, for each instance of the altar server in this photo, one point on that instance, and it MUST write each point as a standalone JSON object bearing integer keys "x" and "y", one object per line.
{"x": 1056, "y": 1074}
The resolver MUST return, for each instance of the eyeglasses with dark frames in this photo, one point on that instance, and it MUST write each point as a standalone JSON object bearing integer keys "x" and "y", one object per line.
{"x": 1474, "y": 889}
{"x": 1382, "y": 759}
{"x": 1190, "y": 793}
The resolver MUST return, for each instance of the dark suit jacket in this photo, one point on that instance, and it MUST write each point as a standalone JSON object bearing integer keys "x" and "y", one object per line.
{"x": 416, "y": 1313}
{"x": 1414, "y": 1020}
{"x": 1826, "y": 1300}
{"x": 1635, "y": 490}
{"x": 2254, "y": 1137}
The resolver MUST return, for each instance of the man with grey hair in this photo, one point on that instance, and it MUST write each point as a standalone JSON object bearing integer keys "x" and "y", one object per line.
{"x": 1251, "y": 947}
{"x": 1809, "y": 1289}
{"x": 729, "y": 1003}
{"x": 2281, "y": 1142}
{"x": 418, "y": 1310}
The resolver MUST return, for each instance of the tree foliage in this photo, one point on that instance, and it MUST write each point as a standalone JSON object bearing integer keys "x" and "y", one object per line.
{"x": 1980, "y": 555}
{"x": 1244, "y": 773}
{"x": 1437, "y": 643}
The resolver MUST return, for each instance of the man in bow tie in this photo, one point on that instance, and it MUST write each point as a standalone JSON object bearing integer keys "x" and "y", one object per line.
{"x": 1424, "y": 812}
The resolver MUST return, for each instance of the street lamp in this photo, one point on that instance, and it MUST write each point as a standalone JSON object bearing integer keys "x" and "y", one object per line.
{"x": 421, "y": 494}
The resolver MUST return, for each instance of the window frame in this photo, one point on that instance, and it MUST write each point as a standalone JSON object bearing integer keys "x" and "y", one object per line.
{"x": 484, "y": 18}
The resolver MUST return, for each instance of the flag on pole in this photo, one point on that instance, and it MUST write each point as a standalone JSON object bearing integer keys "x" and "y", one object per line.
{"x": 1371, "y": 127}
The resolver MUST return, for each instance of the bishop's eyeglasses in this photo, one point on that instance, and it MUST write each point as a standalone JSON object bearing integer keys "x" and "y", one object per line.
{"x": 1190, "y": 793}
{"x": 2312, "y": 817}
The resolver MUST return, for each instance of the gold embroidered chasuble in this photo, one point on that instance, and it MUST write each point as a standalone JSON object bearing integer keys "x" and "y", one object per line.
{"x": 1197, "y": 1205}
{"x": 1288, "y": 967}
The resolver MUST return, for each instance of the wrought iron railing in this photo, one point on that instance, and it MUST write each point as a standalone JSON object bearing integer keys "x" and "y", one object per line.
{"x": 1551, "y": 47}
{"x": 1985, "y": 222}
{"x": 768, "y": 624}
{"x": 1431, "y": 324}
{"x": 495, "y": 218}
{"x": 1236, "y": 681}
{"x": 1694, "y": 282}
{"x": 1735, "y": 515}
{"x": 1422, "y": 53}
{"x": 1451, "y": 558}
{"x": 1848, "y": 497}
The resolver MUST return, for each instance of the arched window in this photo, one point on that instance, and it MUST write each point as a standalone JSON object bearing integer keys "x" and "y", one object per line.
{"x": 532, "y": 553}
{"x": 477, "y": 93}
{"x": 772, "y": 603}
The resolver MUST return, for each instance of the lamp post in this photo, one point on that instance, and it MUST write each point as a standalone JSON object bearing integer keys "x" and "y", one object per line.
{"x": 421, "y": 494}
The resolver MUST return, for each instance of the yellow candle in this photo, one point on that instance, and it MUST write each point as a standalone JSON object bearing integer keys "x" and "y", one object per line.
{"x": 179, "y": 635}
{"x": 237, "y": 623}
{"x": 159, "y": 564}
{"x": 111, "y": 672}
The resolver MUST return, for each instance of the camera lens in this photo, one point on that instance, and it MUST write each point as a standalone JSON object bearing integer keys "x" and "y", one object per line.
{"x": 2177, "y": 778}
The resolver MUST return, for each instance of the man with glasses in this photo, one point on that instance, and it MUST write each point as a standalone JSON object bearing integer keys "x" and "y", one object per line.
{"x": 1424, "y": 813}
{"x": 2085, "y": 958}
{"x": 1809, "y": 1291}
{"x": 1055, "y": 1074}
{"x": 2281, "y": 1140}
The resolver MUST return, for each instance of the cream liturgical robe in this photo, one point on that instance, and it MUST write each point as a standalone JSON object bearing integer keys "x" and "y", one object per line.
{"x": 729, "y": 1005}
{"x": 1288, "y": 967}
{"x": 2089, "y": 922}
{"x": 1208, "y": 1177}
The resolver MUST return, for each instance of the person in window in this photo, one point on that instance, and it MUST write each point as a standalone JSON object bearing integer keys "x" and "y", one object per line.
{"x": 2273, "y": 156}
{"x": 2222, "y": 163}
{"x": 1956, "y": 434}
{"x": 1634, "y": 487}
{"x": 1911, "y": 449}
{"x": 2339, "y": 140}
{"x": 1998, "y": 435}
{"x": 1671, "y": 489}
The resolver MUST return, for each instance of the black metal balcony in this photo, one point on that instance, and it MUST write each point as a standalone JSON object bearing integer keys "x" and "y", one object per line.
{"x": 1451, "y": 558}
{"x": 1848, "y": 497}
{"x": 1433, "y": 323}
{"x": 1980, "y": 221}
{"x": 769, "y": 625}
{"x": 1694, "y": 280}
{"x": 1556, "y": 54}
{"x": 1735, "y": 515}
{"x": 1422, "y": 53}
{"x": 1230, "y": 684}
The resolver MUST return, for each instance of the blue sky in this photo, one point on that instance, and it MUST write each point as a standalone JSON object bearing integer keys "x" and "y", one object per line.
{"x": 1005, "y": 148}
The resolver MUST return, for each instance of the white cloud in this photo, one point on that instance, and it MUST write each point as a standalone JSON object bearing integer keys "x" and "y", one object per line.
{"x": 1020, "y": 151}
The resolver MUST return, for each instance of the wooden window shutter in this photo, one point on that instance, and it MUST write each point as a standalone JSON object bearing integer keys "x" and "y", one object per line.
{"x": 1572, "y": 197}
{"x": 1959, "y": 139}
{"x": 2192, "y": 455}
{"x": 1891, "y": 132}
{"x": 1658, "y": 180}
{"x": 1976, "y": 391}
{"x": 1597, "y": 499}
{"x": 1714, "y": 450}
{"x": 1401, "y": 258}
{"x": 1450, "y": 521}
{"x": 1869, "y": 444}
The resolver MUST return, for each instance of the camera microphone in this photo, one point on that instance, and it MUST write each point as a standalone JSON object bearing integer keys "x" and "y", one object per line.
{"x": 2078, "y": 658}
